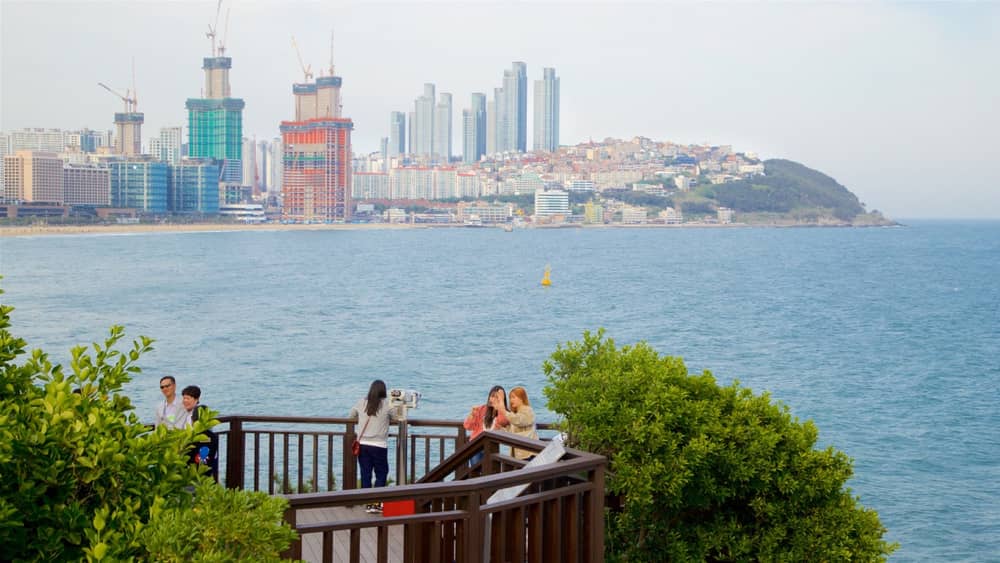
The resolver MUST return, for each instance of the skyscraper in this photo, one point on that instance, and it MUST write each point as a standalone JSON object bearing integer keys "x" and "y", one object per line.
{"x": 316, "y": 183}
{"x": 215, "y": 122}
{"x": 519, "y": 106}
{"x": 423, "y": 109}
{"x": 397, "y": 133}
{"x": 411, "y": 135}
{"x": 510, "y": 111}
{"x": 491, "y": 124}
{"x": 442, "y": 128}
{"x": 546, "y": 109}
{"x": 251, "y": 176}
{"x": 474, "y": 129}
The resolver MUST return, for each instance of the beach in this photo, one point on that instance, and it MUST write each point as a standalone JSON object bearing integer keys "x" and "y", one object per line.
{"x": 36, "y": 230}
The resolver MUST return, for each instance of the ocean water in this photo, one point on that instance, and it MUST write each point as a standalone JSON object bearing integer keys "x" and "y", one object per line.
{"x": 887, "y": 338}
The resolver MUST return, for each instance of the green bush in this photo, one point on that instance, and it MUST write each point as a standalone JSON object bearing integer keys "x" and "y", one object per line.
{"x": 223, "y": 525}
{"x": 80, "y": 474}
{"x": 703, "y": 472}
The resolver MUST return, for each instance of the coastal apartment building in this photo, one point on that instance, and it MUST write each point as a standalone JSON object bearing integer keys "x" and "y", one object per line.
{"x": 371, "y": 185}
{"x": 33, "y": 177}
{"x": 551, "y": 203}
{"x": 86, "y": 185}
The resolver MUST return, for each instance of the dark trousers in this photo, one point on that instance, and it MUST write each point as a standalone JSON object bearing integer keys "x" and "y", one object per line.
{"x": 373, "y": 458}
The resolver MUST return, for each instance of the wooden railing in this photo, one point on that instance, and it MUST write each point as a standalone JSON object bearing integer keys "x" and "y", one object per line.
{"x": 557, "y": 517}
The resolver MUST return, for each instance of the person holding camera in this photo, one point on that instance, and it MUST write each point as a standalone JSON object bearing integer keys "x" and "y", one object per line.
{"x": 521, "y": 418}
{"x": 487, "y": 417}
{"x": 374, "y": 417}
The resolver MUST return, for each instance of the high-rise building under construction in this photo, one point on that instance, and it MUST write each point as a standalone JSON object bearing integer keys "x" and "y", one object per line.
{"x": 316, "y": 177}
{"x": 215, "y": 121}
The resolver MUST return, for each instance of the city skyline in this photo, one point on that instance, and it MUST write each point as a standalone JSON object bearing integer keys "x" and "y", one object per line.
{"x": 894, "y": 101}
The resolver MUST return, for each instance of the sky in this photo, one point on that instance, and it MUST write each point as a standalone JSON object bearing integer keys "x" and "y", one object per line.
{"x": 899, "y": 102}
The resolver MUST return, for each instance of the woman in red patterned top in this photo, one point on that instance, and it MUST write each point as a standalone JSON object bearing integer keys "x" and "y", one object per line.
{"x": 487, "y": 417}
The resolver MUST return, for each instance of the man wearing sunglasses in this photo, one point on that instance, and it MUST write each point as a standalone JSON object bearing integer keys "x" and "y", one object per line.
{"x": 171, "y": 412}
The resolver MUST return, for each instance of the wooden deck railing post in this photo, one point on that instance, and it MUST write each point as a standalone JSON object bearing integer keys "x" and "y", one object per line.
{"x": 294, "y": 551}
{"x": 401, "y": 451}
{"x": 474, "y": 530}
{"x": 349, "y": 466}
{"x": 594, "y": 517}
{"x": 235, "y": 452}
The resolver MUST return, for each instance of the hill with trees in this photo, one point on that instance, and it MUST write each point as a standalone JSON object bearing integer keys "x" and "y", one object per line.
{"x": 786, "y": 191}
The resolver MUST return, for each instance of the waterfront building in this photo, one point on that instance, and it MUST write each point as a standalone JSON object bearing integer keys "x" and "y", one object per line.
{"x": 442, "y": 128}
{"x": 140, "y": 184}
{"x": 633, "y": 215}
{"x": 193, "y": 187}
{"x": 468, "y": 184}
{"x": 412, "y": 182}
{"x": 215, "y": 122}
{"x": 549, "y": 203}
{"x": 316, "y": 175}
{"x": 725, "y": 215}
{"x": 33, "y": 177}
{"x": 445, "y": 183}
{"x": 87, "y": 185}
{"x": 423, "y": 111}
{"x": 513, "y": 115}
{"x": 546, "y": 109}
{"x": 275, "y": 168}
{"x": 371, "y": 185}
{"x": 474, "y": 129}
{"x": 251, "y": 170}
{"x": 397, "y": 133}
{"x": 593, "y": 213}
{"x": 672, "y": 216}
{"x": 244, "y": 212}
{"x": 528, "y": 183}
{"x": 488, "y": 213}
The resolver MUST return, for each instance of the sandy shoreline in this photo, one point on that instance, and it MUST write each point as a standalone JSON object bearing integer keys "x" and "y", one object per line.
{"x": 116, "y": 229}
{"x": 37, "y": 230}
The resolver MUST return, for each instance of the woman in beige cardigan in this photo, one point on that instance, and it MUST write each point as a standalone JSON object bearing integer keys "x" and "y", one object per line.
{"x": 521, "y": 419}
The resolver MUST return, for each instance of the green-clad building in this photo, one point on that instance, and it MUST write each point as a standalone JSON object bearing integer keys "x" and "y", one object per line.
{"x": 215, "y": 122}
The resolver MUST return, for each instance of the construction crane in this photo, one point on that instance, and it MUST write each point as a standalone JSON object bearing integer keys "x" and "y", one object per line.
{"x": 211, "y": 29}
{"x": 331, "y": 52}
{"x": 225, "y": 34}
{"x": 130, "y": 103}
{"x": 306, "y": 69}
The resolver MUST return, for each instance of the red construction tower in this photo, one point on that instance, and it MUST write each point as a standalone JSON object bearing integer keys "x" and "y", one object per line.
{"x": 316, "y": 184}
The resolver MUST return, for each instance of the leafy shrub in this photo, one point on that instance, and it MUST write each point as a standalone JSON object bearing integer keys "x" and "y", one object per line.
{"x": 222, "y": 525}
{"x": 80, "y": 474}
{"x": 703, "y": 472}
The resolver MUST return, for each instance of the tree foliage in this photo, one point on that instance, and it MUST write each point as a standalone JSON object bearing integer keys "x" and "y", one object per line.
{"x": 223, "y": 525}
{"x": 787, "y": 186}
{"x": 80, "y": 474}
{"x": 704, "y": 472}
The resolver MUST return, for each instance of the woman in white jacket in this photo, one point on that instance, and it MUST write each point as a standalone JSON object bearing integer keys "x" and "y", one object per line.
{"x": 374, "y": 417}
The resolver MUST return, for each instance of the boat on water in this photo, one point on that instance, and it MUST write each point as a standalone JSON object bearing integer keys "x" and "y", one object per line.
{"x": 547, "y": 276}
{"x": 508, "y": 227}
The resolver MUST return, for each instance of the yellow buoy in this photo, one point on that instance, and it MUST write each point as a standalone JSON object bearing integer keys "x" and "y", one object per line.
{"x": 546, "y": 278}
